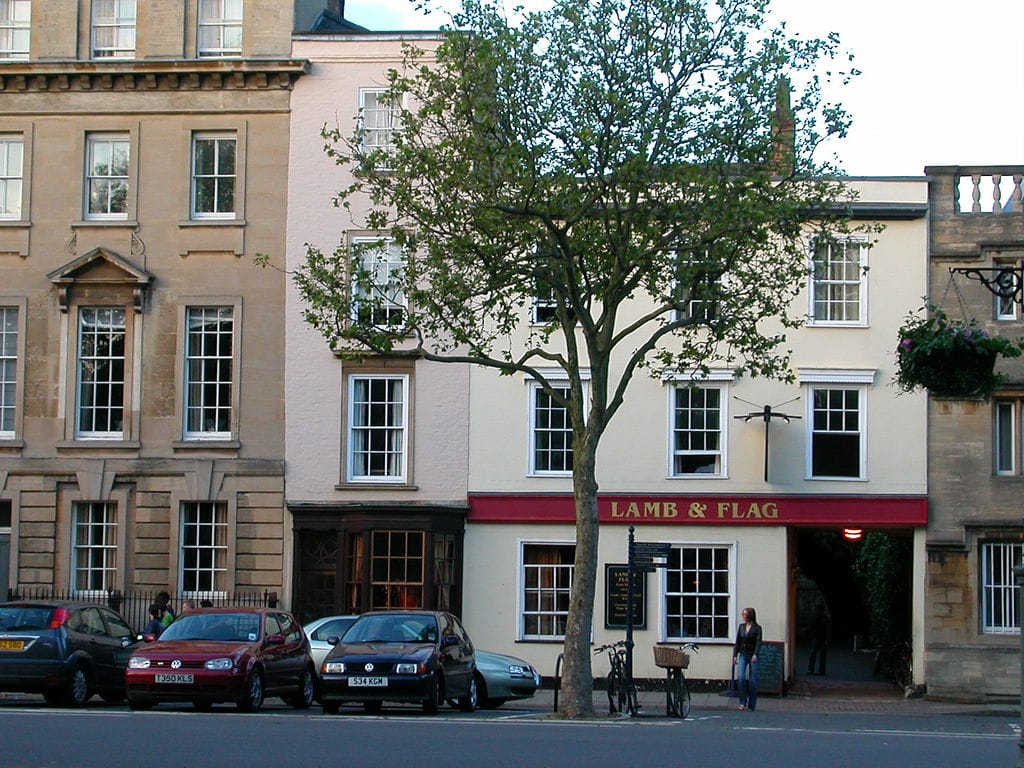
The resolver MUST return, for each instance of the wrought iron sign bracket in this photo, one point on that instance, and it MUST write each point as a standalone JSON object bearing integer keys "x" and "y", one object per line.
{"x": 1003, "y": 282}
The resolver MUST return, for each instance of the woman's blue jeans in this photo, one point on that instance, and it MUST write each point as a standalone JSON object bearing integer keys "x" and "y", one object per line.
{"x": 747, "y": 688}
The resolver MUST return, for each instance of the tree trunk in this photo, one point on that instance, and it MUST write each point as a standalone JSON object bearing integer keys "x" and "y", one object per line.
{"x": 576, "y": 699}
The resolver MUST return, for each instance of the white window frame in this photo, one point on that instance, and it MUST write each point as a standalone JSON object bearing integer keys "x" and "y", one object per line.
{"x": 219, "y": 18}
{"x": 858, "y": 380}
{"x": 1006, "y": 425}
{"x": 217, "y": 176}
{"x": 385, "y": 260}
{"x": 121, "y": 26}
{"x": 701, "y": 310}
{"x": 547, "y": 594}
{"x": 390, "y": 431}
{"x": 1000, "y": 595}
{"x": 113, "y": 143}
{"x": 10, "y": 348}
{"x": 834, "y": 285}
{"x": 15, "y": 29}
{"x": 542, "y": 308}
{"x": 378, "y": 123}
{"x": 1006, "y": 307}
{"x": 701, "y": 595}
{"x": 12, "y": 175}
{"x": 203, "y": 557}
{"x": 98, "y": 361}
{"x": 94, "y": 547}
{"x": 209, "y": 370}
{"x": 560, "y": 379}
{"x": 714, "y": 380}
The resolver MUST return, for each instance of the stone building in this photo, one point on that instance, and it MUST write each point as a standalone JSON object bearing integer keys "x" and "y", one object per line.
{"x": 975, "y": 482}
{"x": 143, "y": 166}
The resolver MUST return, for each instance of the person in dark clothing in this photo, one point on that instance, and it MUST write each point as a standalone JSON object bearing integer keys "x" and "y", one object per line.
{"x": 744, "y": 657}
{"x": 821, "y": 629}
{"x": 155, "y": 624}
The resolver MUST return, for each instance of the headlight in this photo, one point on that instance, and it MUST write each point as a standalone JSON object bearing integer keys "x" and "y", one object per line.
{"x": 138, "y": 662}
{"x": 517, "y": 671}
{"x": 223, "y": 663}
{"x": 334, "y": 667}
{"x": 406, "y": 668}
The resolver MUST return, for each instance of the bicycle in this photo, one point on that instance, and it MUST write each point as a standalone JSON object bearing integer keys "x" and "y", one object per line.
{"x": 674, "y": 660}
{"x": 621, "y": 689}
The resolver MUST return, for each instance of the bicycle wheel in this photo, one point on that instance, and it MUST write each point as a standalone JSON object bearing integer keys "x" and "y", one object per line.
{"x": 630, "y": 702}
{"x": 615, "y": 692}
{"x": 682, "y": 696}
{"x": 677, "y": 694}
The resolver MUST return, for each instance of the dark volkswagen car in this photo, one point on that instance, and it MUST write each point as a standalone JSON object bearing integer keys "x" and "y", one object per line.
{"x": 420, "y": 657}
{"x": 238, "y": 655}
{"x": 65, "y": 650}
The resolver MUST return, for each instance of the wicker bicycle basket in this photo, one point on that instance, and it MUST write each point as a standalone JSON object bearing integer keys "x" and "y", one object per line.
{"x": 667, "y": 656}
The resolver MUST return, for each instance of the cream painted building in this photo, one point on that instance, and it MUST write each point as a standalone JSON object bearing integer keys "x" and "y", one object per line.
{"x": 694, "y": 468}
{"x": 143, "y": 166}
{"x": 376, "y": 450}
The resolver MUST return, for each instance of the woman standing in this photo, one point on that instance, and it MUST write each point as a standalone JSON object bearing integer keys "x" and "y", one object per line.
{"x": 744, "y": 656}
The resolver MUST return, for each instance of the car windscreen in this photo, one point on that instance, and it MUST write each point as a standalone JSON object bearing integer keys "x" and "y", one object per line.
{"x": 402, "y": 628}
{"x": 16, "y": 617}
{"x": 224, "y": 627}
{"x": 333, "y": 628}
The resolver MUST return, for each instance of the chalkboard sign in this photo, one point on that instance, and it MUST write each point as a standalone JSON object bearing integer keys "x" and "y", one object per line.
{"x": 771, "y": 668}
{"x": 616, "y": 597}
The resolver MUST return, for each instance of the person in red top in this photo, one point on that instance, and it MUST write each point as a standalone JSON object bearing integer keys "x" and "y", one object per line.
{"x": 744, "y": 657}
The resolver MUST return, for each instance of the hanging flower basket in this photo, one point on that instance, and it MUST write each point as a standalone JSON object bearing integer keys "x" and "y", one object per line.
{"x": 950, "y": 358}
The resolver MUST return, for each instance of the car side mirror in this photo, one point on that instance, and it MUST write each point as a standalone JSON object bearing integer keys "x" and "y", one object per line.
{"x": 275, "y": 640}
{"x": 333, "y": 640}
{"x": 449, "y": 641}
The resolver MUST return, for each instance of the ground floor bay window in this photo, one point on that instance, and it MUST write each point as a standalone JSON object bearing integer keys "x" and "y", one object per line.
{"x": 352, "y": 561}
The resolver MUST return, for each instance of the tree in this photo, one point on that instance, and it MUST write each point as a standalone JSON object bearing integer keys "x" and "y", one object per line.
{"x": 625, "y": 160}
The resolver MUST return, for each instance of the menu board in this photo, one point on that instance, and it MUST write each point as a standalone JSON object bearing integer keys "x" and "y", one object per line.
{"x": 616, "y": 597}
{"x": 771, "y": 668}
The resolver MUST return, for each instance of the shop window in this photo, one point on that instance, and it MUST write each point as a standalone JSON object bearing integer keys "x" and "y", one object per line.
{"x": 546, "y": 577}
{"x": 699, "y": 593}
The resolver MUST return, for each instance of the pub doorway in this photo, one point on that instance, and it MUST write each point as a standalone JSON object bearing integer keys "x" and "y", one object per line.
{"x": 864, "y": 586}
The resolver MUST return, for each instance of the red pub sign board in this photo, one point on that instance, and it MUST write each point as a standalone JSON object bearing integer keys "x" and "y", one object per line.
{"x": 706, "y": 510}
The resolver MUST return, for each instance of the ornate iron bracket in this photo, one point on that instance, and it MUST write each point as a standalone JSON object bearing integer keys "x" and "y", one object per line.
{"x": 766, "y": 414}
{"x": 1004, "y": 282}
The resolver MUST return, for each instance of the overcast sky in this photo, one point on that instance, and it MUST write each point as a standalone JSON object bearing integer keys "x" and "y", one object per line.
{"x": 942, "y": 83}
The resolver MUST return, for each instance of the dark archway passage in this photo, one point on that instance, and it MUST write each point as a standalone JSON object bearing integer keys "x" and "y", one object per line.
{"x": 865, "y": 587}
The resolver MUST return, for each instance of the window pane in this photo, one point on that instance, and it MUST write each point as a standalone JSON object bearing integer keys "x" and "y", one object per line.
{"x": 377, "y": 428}
{"x": 204, "y": 539}
{"x": 698, "y": 593}
{"x": 94, "y": 546}
{"x": 547, "y": 584}
{"x": 209, "y": 365}
{"x": 552, "y": 433}
{"x": 836, "y": 438}
{"x": 1000, "y": 593}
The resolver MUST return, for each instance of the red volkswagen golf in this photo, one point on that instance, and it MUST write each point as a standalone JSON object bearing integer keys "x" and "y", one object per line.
{"x": 216, "y": 655}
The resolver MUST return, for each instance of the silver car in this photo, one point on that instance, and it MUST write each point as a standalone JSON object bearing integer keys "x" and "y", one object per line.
{"x": 319, "y": 630}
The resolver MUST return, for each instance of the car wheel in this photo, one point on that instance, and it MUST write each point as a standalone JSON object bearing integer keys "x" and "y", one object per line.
{"x": 373, "y": 707}
{"x": 307, "y": 690}
{"x": 202, "y": 705}
{"x": 433, "y": 698}
{"x": 79, "y": 691}
{"x": 330, "y": 707}
{"x": 136, "y": 703}
{"x": 253, "y": 698}
{"x": 468, "y": 702}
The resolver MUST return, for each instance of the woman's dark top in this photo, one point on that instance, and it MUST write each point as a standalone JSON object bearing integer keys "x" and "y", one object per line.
{"x": 747, "y": 643}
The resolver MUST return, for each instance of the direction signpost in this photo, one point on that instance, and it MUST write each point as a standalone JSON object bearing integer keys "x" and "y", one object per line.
{"x": 644, "y": 557}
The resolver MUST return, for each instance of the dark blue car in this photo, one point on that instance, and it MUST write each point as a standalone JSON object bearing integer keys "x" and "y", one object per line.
{"x": 417, "y": 657}
{"x": 66, "y": 650}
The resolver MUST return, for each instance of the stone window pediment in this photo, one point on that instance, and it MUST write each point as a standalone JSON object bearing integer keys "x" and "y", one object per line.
{"x": 101, "y": 267}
